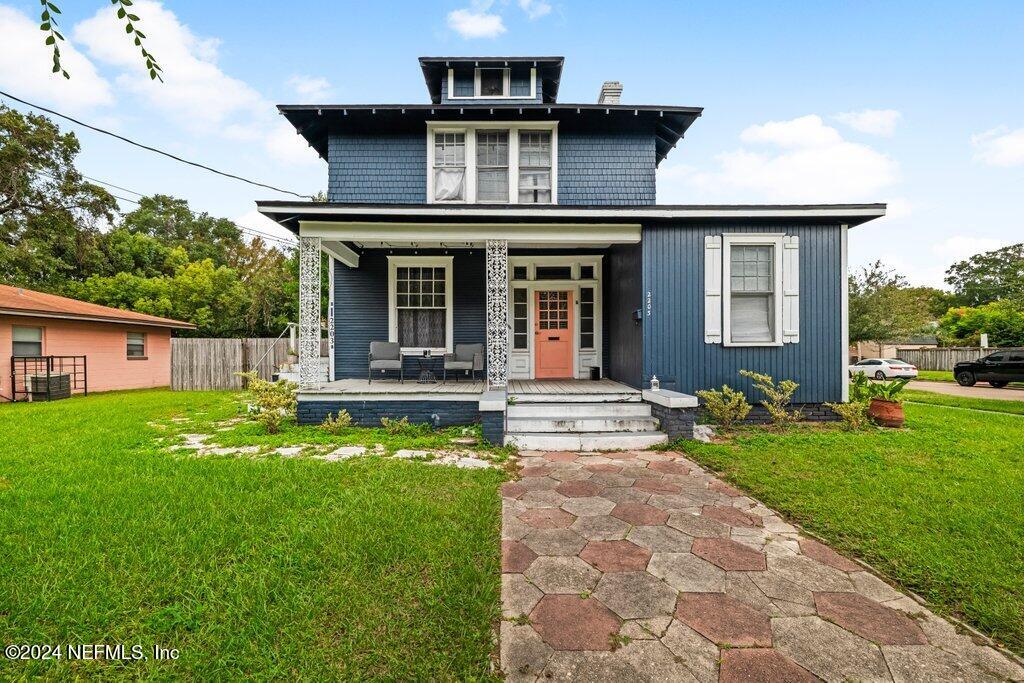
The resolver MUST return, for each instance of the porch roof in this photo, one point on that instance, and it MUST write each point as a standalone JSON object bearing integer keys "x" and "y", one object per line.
{"x": 291, "y": 213}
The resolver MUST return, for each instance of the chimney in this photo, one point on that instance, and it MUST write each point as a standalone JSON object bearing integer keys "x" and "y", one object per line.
{"x": 611, "y": 93}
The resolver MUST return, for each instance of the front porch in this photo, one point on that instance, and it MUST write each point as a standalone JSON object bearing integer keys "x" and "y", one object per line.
{"x": 517, "y": 389}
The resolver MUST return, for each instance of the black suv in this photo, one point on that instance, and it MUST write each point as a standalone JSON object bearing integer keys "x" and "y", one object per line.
{"x": 998, "y": 369}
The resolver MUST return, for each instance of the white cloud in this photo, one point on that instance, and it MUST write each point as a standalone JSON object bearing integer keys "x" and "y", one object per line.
{"x": 535, "y": 9}
{"x": 873, "y": 121}
{"x": 26, "y": 63}
{"x": 806, "y": 161}
{"x": 310, "y": 88}
{"x": 960, "y": 247}
{"x": 1000, "y": 146}
{"x": 476, "y": 21}
{"x": 254, "y": 220}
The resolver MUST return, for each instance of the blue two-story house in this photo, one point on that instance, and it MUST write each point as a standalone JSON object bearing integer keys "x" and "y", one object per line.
{"x": 495, "y": 255}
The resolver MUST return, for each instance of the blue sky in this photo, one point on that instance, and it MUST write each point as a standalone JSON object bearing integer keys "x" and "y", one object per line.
{"x": 916, "y": 104}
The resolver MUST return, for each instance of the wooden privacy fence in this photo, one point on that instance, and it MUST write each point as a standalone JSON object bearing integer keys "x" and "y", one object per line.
{"x": 942, "y": 358}
{"x": 201, "y": 363}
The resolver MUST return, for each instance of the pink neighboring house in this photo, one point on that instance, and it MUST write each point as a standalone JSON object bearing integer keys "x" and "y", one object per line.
{"x": 123, "y": 349}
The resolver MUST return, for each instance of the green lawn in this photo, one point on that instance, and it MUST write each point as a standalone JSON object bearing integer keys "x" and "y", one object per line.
{"x": 253, "y": 568}
{"x": 938, "y": 506}
{"x": 988, "y": 404}
{"x": 936, "y": 375}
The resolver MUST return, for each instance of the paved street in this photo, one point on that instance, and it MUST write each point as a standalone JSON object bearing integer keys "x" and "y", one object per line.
{"x": 641, "y": 566}
{"x": 980, "y": 390}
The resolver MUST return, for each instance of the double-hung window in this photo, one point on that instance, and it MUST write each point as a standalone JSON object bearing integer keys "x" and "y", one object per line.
{"x": 27, "y": 341}
{"x": 136, "y": 347}
{"x": 449, "y": 166}
{"x": 492, "y": 166}
{"x": 752, "y": 293}
{"x": 535, "y": 167}
{"x": 420, "y": 294}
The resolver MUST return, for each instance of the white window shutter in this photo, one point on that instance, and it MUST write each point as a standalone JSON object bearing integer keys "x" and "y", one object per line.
{"x": 791, "y": 290}
{"x": 713, "y": 289}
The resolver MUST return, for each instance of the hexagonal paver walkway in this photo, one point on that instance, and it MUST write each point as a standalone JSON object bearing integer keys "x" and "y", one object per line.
{"x": 642, "y": 566}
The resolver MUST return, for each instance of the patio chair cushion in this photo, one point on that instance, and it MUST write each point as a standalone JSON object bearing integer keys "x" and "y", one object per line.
{"x": 385, "y": 350}
{"x": 458, "y": 365}
{"x": 385, "y": 364}
{"x": 468, "y": 352}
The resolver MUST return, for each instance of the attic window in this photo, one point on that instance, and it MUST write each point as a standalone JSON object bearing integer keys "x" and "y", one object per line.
{"x": 493, "y": 83}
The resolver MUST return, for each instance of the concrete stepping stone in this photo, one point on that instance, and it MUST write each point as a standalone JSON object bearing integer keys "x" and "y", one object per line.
{"x": 729, "y": 555}
{"x": 731, "y": 516}
{"x": 615, "y": 556}
{"x": 569, "y": 622}
{"x": 869, "y": 619}
{"x": 562, "y": 575}
{"x": 516, "y": 556}
{"x": 761, "y": 665}
{"x": 635, "y": 595}
{"x": 639, "y": 514}
{"x": 724, "y": 620}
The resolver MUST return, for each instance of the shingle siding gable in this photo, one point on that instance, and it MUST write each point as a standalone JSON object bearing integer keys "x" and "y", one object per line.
{"x": 387, "y": 168}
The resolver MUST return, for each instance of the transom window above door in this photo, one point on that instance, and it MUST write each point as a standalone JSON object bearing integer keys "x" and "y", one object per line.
{"x": 499, "y": 163}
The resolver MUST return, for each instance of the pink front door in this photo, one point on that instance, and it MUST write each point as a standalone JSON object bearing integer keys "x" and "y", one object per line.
{"x": 553, "y": 327}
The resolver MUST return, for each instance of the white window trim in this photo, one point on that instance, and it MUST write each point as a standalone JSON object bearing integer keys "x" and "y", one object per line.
{"x": 469, "y": 128}
{"x": 419, "y": 261}
{"x": 507, "y": 86}
{"x": 775, "y": 240}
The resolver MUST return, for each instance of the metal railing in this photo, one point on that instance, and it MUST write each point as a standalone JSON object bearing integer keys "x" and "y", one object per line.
{"x": 48, "y": 378}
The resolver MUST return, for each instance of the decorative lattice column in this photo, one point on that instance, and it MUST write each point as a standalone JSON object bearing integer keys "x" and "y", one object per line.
{"x": 309, "y": 312}
{"x": 497, "y": 313}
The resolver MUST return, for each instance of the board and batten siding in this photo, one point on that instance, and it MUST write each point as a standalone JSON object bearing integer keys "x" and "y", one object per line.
{"x": 594, "y": 167}
{"x": 623, "y": 284}
{"x": 361, "y": 308}
{"x": 673, "y": 338}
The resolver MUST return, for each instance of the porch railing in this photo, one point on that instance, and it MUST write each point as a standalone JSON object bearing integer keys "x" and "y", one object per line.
{"x": 48, "y": 378}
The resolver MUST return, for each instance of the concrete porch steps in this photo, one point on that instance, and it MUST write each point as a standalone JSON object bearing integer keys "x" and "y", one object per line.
{"x": 596, "y": 423}
{"x": 578, "y": 410}
{"x": 610, "y": 397}
{"x": 585, "y": 441}
{"x": 591, "y": 423}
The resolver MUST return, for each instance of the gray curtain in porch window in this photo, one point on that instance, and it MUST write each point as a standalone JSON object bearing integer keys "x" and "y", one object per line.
{"x": 422, "y": 327}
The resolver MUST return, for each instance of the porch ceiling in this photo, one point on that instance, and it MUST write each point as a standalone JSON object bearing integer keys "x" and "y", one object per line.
{"x": 462, "y": 235}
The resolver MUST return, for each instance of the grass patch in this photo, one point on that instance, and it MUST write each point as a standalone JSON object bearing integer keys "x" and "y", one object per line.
{"x": 936, "y": 375}
{"x": 938, "y": 506}
{"x": 994, "y": 405}
{"x": 253, "y": 568}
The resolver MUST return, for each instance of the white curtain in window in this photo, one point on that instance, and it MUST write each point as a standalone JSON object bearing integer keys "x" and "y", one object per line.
{"x": 449, "y": 184}
{"x": 751, "y": 319}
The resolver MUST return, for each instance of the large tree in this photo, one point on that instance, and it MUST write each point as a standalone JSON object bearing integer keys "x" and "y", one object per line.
{"x": 991, "y": 276}
{"x": 170, "y": 221}
{"x": 883, "y": 305}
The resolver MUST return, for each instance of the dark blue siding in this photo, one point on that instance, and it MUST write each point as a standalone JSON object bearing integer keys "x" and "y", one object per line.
{"x": 389, "y": 168}
{"x": 674, "y": 347}
{"x": 593, "y": 168}
{"x": 361, "y": 309}
{"x": 605, "y": 168}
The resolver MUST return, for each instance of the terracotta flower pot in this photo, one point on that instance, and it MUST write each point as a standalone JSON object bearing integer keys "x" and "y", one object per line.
{"x": 886, "y": 413}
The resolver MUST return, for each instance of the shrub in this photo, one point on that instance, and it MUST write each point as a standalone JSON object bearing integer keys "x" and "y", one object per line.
{"x": 854, "y": 414}
{"x": 273, "y": 401}
{"x": 889, "y": 391}
{"x": 726, "y": 406}
{"x": 336, "y": 424}
{"x": 394, "y": 426}
{"x": 860, "y": 388}
{"x": 777, "y": 396}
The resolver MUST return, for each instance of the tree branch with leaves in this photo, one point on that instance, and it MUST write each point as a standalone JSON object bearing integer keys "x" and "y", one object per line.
{"x": 48, "y": 24}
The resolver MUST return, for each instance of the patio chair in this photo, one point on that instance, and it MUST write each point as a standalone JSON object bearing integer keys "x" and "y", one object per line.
{"x": 466, "y": 357}
{"x": 385, "y": 356}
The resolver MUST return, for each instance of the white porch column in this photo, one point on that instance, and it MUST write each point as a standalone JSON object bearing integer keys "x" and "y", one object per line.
{"x": 309, "y": 312}
{"x": 497, "y": 313}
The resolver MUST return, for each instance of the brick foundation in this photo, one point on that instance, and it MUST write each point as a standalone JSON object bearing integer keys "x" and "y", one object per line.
{"x": 368, "y": 413}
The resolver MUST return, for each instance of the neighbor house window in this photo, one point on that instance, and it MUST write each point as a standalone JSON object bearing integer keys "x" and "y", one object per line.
{"x": 481, "y": 163}
{"x": 449, "y": 166}
{"x": 136, "y": 344}
{"x": 28, "y": 341}
{"x": 420, "y": 295}
{"x": 492, "y": 166}
{"x": 752, "y": 293}
{"x": 535, "y": 167}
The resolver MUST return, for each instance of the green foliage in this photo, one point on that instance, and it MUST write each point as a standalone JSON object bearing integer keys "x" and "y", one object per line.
{"x": 726, "y": 407}
{"x": 889, "y": 391}
{"x": 402, "y": 427}
{"x": 991, "y": 276}
{"x": 777, "y": 396}
{"x": 884, "y": 306}
{"x": 273, "y": 401}
{"x": 1003, "y": 321}
{"x": 854, "y": 414}
{"x": 338, "y": 423}
{"x": 860, "y": 388}
{"x": 47, "y": 17}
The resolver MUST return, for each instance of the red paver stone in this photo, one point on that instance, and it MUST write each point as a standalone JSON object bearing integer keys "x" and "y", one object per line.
{"x": 569, "y": 622}
{"x": 761, "y": 665}
{"x": 603, "y": 467}
{"x": 512, "y": 489}
{"x": 722, "y": 487}
{"x": 616, "y": 556}
{"x": 668, "y": 467}
{"x": 548, "y": 518}
{"x": 516, "y": 557}
{"x": 731, "y": 516}
{"x": 657, "y": 485}
{"x": 536, "y": 471}
{"x": 579, "y": 488}
{"x": 868, "y": 619}
{"x": 639, "y": 514}
{"x": 560, "y": 456}
{"x": 724, "y": 620}
{"x": 822, "y": 553}
{"x": 729, "y": 555}
{"x": 624, "y": 455}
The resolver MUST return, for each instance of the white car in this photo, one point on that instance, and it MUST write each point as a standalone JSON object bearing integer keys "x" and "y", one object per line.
{"x": 884, "y": 368}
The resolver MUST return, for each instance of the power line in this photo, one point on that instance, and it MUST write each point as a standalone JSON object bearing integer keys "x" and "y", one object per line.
{"x": 118, "y": 187}
{"x": 154, "y": 149}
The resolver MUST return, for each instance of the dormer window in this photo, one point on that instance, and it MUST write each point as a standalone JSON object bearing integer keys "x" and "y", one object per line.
{"x": 497, "y": 163}
{"x": 492, "y": 82}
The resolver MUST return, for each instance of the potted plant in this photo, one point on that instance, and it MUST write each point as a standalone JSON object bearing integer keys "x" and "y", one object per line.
{"x": 886, "y": 407}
